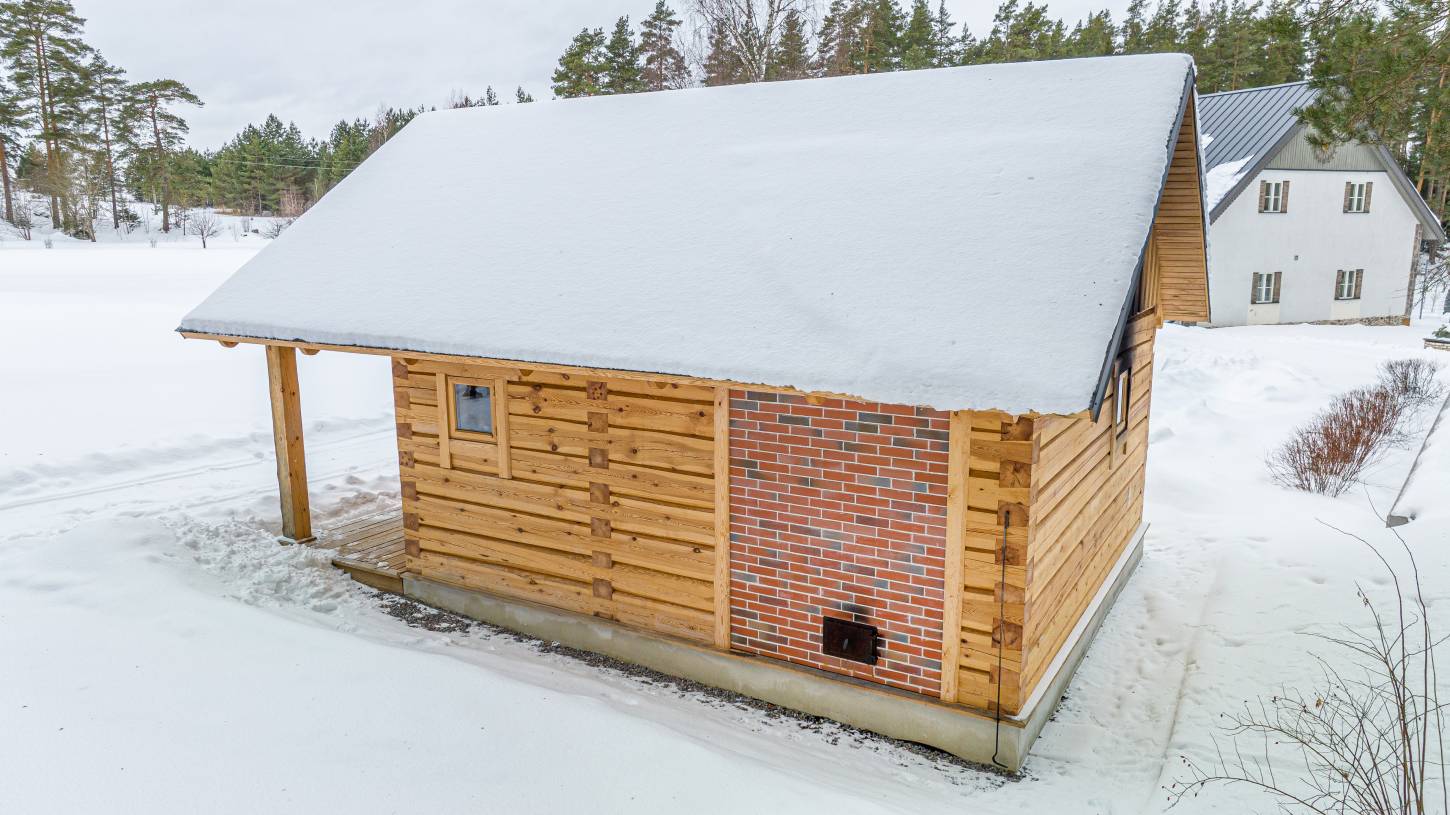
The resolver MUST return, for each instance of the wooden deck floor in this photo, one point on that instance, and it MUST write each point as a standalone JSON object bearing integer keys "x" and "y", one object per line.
{"x": 370, "y": 549}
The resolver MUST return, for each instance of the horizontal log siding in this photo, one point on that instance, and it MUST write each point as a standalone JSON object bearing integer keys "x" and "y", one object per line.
{"x": 1085, "y": 507}
{"x": 609, "y": 510}
{"x": 1000, "y": 461}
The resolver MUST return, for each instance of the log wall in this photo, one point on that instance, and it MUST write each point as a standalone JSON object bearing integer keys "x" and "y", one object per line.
{"x": 1087, "y": 501}
{"x": 608, "y": 507}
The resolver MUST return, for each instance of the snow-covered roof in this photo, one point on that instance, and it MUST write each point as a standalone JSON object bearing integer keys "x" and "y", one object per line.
{"x": 964, "y": 238}
{"x": 1243, "y": 130}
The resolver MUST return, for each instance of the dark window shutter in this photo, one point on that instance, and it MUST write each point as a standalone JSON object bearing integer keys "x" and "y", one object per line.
{"x": 1254, "y": 287}
{"x": 1348, "y": 190}
{"x": 1263, "y": 195}
{"x": 1358, "y": 282}
{"x": 1278, "y": 277}
{"x": 1338, "y": 283}
{"x": 1368, "y": 191}
{"x": 1284, "y": 201}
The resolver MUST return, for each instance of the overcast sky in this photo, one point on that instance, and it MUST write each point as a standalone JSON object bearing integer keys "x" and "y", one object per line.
{"x": 315, "y": 62}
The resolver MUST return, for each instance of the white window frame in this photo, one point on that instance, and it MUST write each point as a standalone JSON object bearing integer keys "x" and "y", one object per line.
{"x": 1348, "y": 284}
{"x": 1358, "y": 191}
{"x": 1263, "y": 288}
{"x": 1274, "y": 196}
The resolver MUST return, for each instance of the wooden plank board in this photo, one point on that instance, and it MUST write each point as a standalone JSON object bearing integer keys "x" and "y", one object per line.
{"x": 958, "y": 457}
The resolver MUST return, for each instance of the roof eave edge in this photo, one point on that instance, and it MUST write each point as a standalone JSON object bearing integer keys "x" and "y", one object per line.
{"x": 1406, "y": 189}
{"x": 1095, "y": 405}
{"x": 1254, "y": 170}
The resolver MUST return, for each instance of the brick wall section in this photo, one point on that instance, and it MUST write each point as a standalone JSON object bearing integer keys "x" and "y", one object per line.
{"x": 839, "y": 509}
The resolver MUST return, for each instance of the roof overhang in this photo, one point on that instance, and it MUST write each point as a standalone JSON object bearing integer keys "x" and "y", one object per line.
{"x": 1125, "y": 314}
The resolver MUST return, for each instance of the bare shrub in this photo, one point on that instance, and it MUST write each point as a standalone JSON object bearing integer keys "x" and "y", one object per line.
{"x": 276, "y": 228}
{"x": 1369, "y": 739}
{"x": 1414, "y": 381}
{"x": 24, "y": 221}
{"x": 203, "y": 223}
{"x": 1328, "y": 454}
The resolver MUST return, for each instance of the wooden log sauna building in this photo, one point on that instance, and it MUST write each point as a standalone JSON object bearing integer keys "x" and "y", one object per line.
{"x": 831, "y": 392}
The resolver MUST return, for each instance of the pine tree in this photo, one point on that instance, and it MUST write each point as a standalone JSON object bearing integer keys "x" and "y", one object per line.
{"x": 1282, "y": 34}
{"x": 836, "y": 39}
{"x": 40, "y": 43}
{"x": 521, "y": 97}
{"x": 918, "y": 38}
{"x": 944, "y": 43}
{"x": 1092, "y": 37}
{"x": 1383, "y": 80}
{"x": 161, "y": 132}
{"x": 1194, "y": 33}
{"x": 107, "y": 86}
{"x": 664, "y": 65}
{"x": 1023, "y": 34}
{"x": 15, "y": 119}
{"x": 881, "y": 37}
{"x": 791, "y": 60}
{"x": 1162, "y": 34}
{"x": 723, "y": 65}
{"x": 621, "y": 61}
{"x": 1135, "y": 27}
{"x": 582, "y": 66}
{"x": 489, "y": 97}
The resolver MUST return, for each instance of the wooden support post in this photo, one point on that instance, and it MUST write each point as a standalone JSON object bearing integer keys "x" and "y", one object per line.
{"x": 958, "y": 462}
{"x": 287, "y": 435}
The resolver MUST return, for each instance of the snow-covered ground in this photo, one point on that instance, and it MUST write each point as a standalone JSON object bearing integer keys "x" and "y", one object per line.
{"x": 162, "y": 654}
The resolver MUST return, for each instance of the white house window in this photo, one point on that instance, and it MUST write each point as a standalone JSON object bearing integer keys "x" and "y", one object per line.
{"x": 1357, "y": 195}
{"x": 1347, "y": 284}
{"x": 472, "y": 408}
{"x": 1266, "y": 287}
{"x": 1273, "y": 196}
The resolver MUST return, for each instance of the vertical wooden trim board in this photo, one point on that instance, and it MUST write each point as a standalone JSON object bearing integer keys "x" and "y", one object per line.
{"x": 445, "y": 407}
{"x": 722, "y": 518}
{"x": 501, "y": 427}
{"x": 287, "y": 436}
{"x": 957, "y": 463}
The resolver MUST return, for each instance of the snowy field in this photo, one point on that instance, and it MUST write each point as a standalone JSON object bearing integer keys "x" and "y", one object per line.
{"x": 162, "y": 654}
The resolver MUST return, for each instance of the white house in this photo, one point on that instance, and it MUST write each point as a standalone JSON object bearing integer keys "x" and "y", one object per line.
{"x": 1298, "y": 236}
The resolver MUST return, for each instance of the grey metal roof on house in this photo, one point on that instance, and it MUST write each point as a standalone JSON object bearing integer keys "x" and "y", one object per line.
{"x": 1250, "y": 126}
{"x": 1250, "y": 122}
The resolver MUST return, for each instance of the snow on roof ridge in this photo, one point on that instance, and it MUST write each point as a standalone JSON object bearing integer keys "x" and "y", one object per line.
{"x": 868, "y": 235}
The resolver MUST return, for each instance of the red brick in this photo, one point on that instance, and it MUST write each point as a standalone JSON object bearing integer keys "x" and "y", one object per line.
{"x": 827, "y": 547}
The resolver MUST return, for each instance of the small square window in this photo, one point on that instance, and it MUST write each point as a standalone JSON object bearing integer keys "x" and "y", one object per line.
{"x": 472, "y": 408}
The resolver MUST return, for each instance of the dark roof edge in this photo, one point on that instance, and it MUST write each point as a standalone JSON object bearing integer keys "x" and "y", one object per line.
{"x": 1095, "y": 406}
{"x": 1434, "y": 231}
{"x": 1253, "y": 171}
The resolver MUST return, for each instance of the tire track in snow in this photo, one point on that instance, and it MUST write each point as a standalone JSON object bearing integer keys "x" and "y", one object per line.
{"x": 207, "y": 484}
